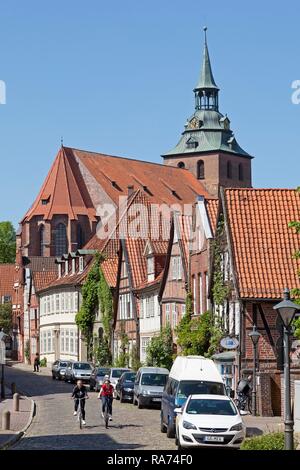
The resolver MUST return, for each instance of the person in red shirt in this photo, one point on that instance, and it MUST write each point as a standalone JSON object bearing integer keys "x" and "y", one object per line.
{"x": 106, "y": 395}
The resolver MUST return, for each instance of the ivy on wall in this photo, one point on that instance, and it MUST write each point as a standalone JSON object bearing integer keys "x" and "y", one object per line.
{"x": 96, "y": 292}
{"x": 295, "y": 224}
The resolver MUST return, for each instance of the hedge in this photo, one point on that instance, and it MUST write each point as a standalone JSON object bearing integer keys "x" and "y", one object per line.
{"x": 271, "y": 441}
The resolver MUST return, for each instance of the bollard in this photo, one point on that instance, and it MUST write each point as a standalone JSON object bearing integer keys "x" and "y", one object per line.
{"x": 5, "y": 420}
{"x": 13, "y": 388}
{"x": 16, "y": 402}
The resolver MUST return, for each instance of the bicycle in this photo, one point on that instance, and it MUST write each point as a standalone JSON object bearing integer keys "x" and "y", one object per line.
{"x": 243, "y": 402}
{"x": 79, "y": 411}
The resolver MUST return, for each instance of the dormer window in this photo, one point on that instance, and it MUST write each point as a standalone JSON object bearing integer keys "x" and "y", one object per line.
{"x": 192, "y": 143}
{"x": 181, "y": 165}
{"x": 59, "y": 270}
{"x": 81, "y": 264}
{"x": 150, "y": 268}
{"x": 73, "y": 265}
{"x": 45, "y": 200}
{"x": 66, "y": 267}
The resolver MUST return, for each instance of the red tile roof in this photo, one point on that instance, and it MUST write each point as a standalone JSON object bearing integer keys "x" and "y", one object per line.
{"x": 42, "y": 279}
{"x": 65, "y": 190}
{"x": 162, "y": 183}
{"x": 212, "y": 206}
{"x": 7, "y": 274}
{"x": 263, "y": 244}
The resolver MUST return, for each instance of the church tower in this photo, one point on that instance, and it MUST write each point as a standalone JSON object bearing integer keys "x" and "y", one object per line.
{"x": 208, "y": 147}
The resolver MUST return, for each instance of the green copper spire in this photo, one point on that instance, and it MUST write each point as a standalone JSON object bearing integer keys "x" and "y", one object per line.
{"x": 206, "y": 80}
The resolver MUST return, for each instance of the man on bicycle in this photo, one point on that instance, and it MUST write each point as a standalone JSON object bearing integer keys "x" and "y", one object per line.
{"x": 106, "y": 394}
{"x": 244, "y": 386}
{"x": 80, "y": 394}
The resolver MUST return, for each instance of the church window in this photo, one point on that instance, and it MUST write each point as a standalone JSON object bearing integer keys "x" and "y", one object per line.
{"x": 200, "y": 170}
{"x": 42, "y": 240}
{"x": 241, "y": 172}
{"x": 61, "y": 242}
{"x": 80, "y": 237}
{"x": 229, "y": 170}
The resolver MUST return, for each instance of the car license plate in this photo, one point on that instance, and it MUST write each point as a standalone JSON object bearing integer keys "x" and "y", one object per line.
{"x": 156, "y": 399}
{"x": 213, "y": 438}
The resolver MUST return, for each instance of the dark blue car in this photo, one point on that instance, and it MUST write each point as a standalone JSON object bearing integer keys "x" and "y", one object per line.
{"x": 124, "y": 387}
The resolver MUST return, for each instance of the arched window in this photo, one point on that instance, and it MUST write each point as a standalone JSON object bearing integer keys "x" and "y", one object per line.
{"x": 42, "y": 240}
{"x": 80, "y": 237}
{"x": 181, "y": 165}
{"x": 61, "y": 242}
{"x": 241, "y": 172}
{"x": 200, "y": 170}
{"x": 229, "y": 170}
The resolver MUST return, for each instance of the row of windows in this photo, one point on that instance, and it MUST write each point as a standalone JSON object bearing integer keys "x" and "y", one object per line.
{"x": 176, "y": 268}
{"x": 125, "y": 307}
{"x": 68, "y": 341}
{"x": 64, "y": 302}
{"x": 201, "y": 170}
{"x": 173, "y": 312}
{"x": 60, "y": 239}
{"x": 145, "y": 340}
{"x": 147, "y": 307}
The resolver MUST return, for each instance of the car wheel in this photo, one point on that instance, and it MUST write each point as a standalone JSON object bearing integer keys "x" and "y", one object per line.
{"x": 53, "y": 376}
{"x": 117, "y": 396}
{"x": 59, "y": 377}
{"x": 162, "y": 426}
{"x": 139, "y": 404}
{"x": 134, "y": 402}
{"x": 176, "y": 441}
{"x": 170, "y": 429}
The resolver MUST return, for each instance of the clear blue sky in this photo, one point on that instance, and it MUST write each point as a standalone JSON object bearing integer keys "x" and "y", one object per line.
{"x": 117, "y": 77}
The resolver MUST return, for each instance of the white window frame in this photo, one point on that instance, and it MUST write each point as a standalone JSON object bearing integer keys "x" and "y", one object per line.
{"x": 167, "y": 309}
{"x": 200, "y": 293}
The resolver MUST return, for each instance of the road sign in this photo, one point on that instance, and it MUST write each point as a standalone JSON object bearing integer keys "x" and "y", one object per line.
{"x": 2, "y": 352}
{"x": 229, "y": 343}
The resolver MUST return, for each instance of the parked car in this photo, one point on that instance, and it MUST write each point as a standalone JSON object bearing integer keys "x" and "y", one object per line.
{"x": 209, "y": 421}
{"x": 97, "y": 377}
{"x": 124, "y": 387}
{"x": 115, "y": 374}
{"x": 78, "y": 371}
{"x": 149, "y": 385}
{"x": 188, "y": 375}
{"x": 59, "y": 369}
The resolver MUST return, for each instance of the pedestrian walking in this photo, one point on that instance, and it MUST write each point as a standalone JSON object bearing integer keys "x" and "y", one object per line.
{"x": 36, "y": 363}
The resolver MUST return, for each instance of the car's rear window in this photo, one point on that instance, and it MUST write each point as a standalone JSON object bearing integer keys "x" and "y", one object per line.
{"x": 211, "y": 407}
{"x": 82, "y": 366}
{"x": 63, "y": 364}
{"x": 102, "y": 372}
{"x": 117, "y": 373}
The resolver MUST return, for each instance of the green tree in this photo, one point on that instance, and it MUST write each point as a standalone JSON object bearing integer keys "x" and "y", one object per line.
{"x": 7, "y": 243}
{"x": 160, "y": 349}
{"x": 6, "y": 317}
{"x": 295, "y": 224}
{"x": 193, "y": 334}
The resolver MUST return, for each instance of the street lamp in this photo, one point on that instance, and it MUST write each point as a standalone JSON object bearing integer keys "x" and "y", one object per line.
{"x": 287, "y": 310}
{"x": 254, "y": 336}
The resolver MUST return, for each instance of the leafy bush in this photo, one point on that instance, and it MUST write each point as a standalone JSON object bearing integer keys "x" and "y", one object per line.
{"x": 43, "y": 362}
{"x": 27, "y": 350}
{"x": 160, "y": 349}
{"x": 271, "y": 441}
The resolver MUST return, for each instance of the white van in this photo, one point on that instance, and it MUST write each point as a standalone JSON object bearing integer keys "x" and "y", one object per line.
{"x": 189, "y": 375}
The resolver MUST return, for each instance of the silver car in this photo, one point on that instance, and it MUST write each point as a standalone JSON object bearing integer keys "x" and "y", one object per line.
{"x": 78, "y": 371}
{"x": 149, "y": 386}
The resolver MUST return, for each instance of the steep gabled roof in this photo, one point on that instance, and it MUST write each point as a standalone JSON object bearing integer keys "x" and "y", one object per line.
{"x": 63, "y": 192}
{"x": 262, "y": 243}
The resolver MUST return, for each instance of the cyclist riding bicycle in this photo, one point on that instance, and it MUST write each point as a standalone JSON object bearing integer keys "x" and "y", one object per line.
{"x": 106, "y": 395}
{"x": 244, "y": 386}
{"x": 80, "y": 394}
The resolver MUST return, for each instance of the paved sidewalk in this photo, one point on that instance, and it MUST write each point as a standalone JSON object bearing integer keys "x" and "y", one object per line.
{"x": 257, "y": 425}
{"x": 19, "y": 420}
{"x": 29, "y": 368}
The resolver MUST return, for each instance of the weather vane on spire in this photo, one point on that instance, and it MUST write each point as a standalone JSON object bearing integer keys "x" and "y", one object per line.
{"x": 62, "y": 141}
{"x": 205, "y": 29}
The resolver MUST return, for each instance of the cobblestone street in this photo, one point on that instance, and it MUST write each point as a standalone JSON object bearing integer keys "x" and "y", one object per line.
{"x": 55, "y": 427}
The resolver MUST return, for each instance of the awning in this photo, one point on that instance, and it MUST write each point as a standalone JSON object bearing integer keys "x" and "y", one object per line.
{"x": 228, "y": 356}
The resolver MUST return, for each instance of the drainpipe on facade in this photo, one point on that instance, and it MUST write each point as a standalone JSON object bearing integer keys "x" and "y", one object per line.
{"x": 78, "y": 330}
